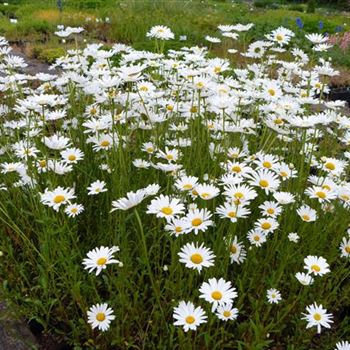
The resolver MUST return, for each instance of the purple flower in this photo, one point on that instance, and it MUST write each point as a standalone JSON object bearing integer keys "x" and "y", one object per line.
{"x": 299, "y": 23}
{"x": 338, "y": 29}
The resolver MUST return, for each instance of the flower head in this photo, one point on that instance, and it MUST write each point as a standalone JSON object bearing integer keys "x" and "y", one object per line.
{"x": 100, "y": 316}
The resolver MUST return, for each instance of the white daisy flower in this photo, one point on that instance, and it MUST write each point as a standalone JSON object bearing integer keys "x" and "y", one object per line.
{"x": 226, "y": 312}
{"x": 293, "y": 237}
{"x": 273, "y": 296}
{"x": 160, "y": 32}
{"x": 307, "y": 214}
{"x": 72, "y": 155}
{"x": 342, "y": 345}
{"x": 256, "y": 237}
{"x": 217, "y": 292}
{"x": 316, "y": 265}
{"x": 131, "y": 200}
{"x": 345, "y": 248}
{"x": 189, "y": 317}
{"x": 304, "y": 278}
{"x": 98, "y": 259}
{"x": 72, "y": 210}
{"x": 96, "y": 187}
{"x": 165, "y": 207}
{"x": 59, "y": 196}
{"x": 196, "y": 257}
{"x": 100, "y": 316}
{"x": 232, "y": 212}
{"x": 237, "y": 250}
{"x": 265, "y": 179}
{"x": 317, "y": 316}
{"x": 199, "y": 220}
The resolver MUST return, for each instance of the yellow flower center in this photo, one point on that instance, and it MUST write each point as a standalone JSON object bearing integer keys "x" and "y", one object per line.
{"x": 263, "y": 183}
{"x": 197, "y": 222}
{"x": 216, "y": 295}
{"x": 271, "y": 92}
{"x": 239, "y": 195}
{"x": 72, "y": 157}
{"x": 169, "y": 157}
{"x": 347, "y": 249}
{"x": 330, "y": 166}
{"x": 315, "y": 268}
{"x": 236, "y": 169}
{"x": 169, "y": 107}
{"x": 166, "y": 210}
{"x": 74, "y": 210}
{"x": 193, "y": 109}
{"x": 283, "y": 174}
{"x": 266, "y": 225}
{"x": 101, "y": 261}
{"x": 205, "y": 195}
{"x": 256, "y": 238}
{"x": 306, "y": 217}
{"x": 187, "y": 187}
{"x": 217, "y": 69}
{"x": 317, "y": 317}
{"x": 270, "y": 211}
{"x": 42, "y": 163}
{"x": 100, "y": 317}
{"x": 178, "y": 229}
{"x": 278, "y": 121}
{"x": 196, "y": 258}
{"x": 143, "y": 88}
{"x": 59, "y": 198}
{"x": 233, "y": 249}
{"x": 231, "y": 214}
{"x": 105, "y": 143}
{"x": 227, "y": 313}
{"x": 320, "y": 194}
{"x": 267, "y": 165}
{"x": 326, "y": 187}
{"x": 190, "y": 319}
{"x": 150, "y": 149}
{"x": 279, "y": 37}
{"x": 111, "y": 93}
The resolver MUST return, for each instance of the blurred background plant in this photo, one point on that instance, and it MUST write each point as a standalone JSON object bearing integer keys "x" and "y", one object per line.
{"x": 127, "y": 21}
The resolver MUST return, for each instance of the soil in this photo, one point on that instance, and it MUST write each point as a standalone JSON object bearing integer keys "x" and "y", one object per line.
{"x": 34, "y": 66}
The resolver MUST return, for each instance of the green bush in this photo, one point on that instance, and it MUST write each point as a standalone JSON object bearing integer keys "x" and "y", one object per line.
{"x": 296, "y": 7}
{"x": 9, "y": 11}
{"x": 340, "y": 58}
{"x": 266, "y": 4}
{"x": 311, "y": 6}
{"x": 50, "y": 55}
